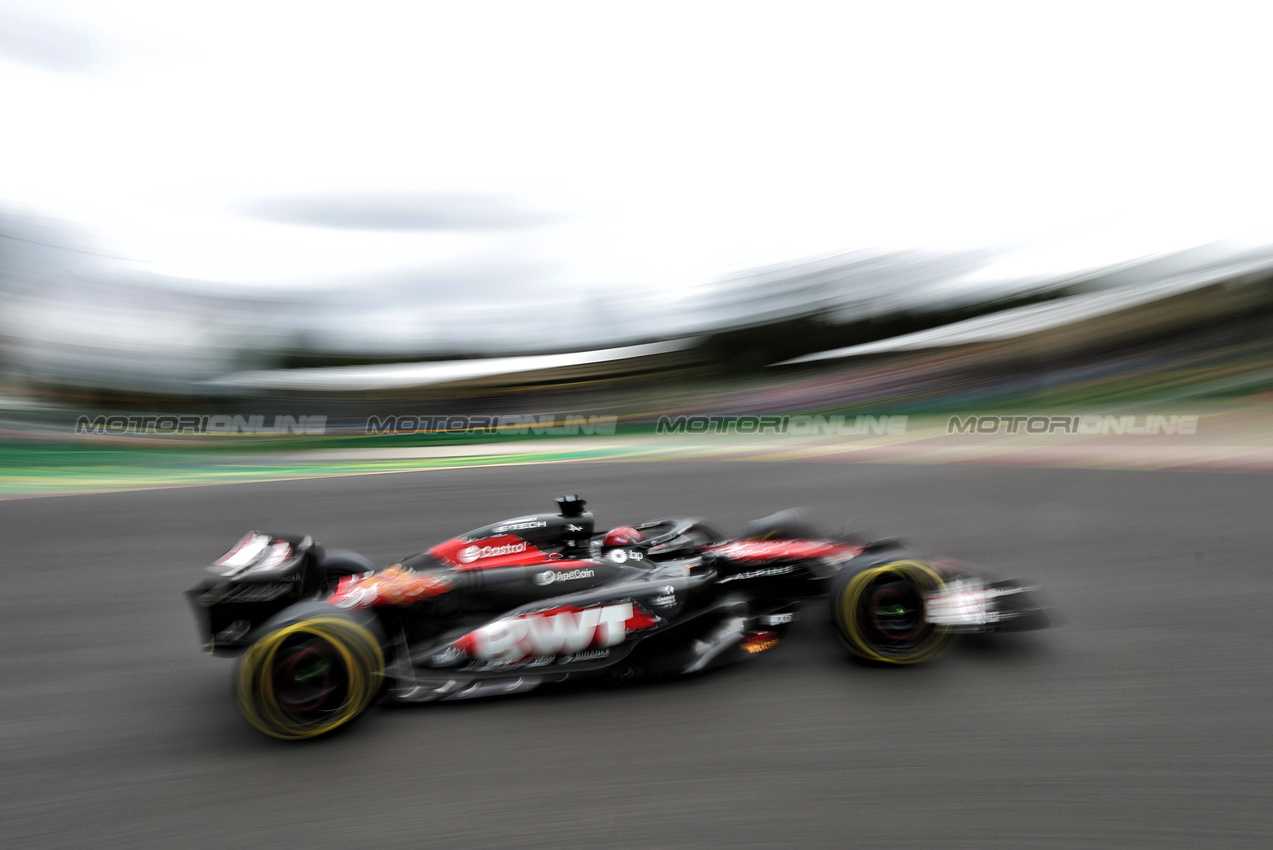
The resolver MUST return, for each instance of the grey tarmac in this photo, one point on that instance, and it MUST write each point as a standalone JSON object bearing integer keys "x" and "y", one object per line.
{"x": 1141, "y": 720}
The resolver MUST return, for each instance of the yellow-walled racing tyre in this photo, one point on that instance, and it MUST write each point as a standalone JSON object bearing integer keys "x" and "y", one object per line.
{"x": 309, "y": 676}
{"x": 879, "y": 612}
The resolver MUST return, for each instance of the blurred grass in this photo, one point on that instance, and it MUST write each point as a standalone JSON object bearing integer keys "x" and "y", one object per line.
{"x": 34, "y": 470}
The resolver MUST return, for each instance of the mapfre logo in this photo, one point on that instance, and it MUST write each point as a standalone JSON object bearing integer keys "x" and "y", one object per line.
{"x": 557, "y": 632}
{"x": 469, "y": 554}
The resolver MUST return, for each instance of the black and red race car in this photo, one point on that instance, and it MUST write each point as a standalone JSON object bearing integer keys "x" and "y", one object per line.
{"x": 542, "y": 598}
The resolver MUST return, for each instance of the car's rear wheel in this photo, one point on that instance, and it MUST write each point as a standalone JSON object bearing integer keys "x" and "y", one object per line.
{"x": 879, "y": 612}
{"x": 310, "y": 677}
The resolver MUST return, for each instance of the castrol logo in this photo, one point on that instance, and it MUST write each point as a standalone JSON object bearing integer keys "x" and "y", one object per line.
{"x": 469, "y": 554}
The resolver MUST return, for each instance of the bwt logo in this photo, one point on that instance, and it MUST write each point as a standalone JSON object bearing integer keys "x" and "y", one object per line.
{"x": 549, "y": 634}
{"x": 1085, "y": 425}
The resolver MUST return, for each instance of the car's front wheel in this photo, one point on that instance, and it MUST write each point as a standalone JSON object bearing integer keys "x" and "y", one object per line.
{"x": 879, "y": 612}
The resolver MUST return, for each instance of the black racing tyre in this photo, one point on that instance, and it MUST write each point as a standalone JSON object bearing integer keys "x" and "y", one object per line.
{"x": 309, "y": 677}
{"x": 336, "y": 564}
{"x": 879, "y": 612}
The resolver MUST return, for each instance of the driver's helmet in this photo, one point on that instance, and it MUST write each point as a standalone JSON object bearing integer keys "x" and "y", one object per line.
{"x": 624, "y": 535}
{"x": 615, "y": 545}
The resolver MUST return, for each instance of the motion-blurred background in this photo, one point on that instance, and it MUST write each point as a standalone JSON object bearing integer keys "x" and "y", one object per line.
{"x": 444, "y": 211}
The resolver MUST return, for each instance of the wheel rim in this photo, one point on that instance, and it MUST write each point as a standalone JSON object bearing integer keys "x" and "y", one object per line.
{"x": 309, "y": 679}
{"x": 894, "y": 612}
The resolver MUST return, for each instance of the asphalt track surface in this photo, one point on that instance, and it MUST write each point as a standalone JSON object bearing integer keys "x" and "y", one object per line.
{"x": 1141, "y": 721}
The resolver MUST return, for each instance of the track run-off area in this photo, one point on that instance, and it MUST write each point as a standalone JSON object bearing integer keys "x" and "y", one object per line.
{"x": 1141, "y": 719}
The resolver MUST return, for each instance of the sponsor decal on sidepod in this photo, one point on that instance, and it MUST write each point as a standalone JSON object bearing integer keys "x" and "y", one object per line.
{"x": 469, "y": 554}
{"x": 547, "y": 577}
{"x": 771, "y": 571}
{"x": 556, "y": 632}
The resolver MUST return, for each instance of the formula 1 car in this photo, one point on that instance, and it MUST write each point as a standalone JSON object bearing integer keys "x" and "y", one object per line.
{"x": 542, "y": 598}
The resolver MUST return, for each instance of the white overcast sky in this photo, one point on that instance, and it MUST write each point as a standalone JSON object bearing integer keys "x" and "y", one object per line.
{"x": 634, "y": 147}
